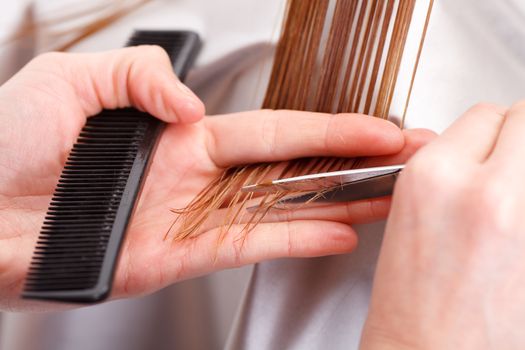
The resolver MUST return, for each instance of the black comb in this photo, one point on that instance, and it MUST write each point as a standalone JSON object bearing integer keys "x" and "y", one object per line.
{"x": 79, "y": 244}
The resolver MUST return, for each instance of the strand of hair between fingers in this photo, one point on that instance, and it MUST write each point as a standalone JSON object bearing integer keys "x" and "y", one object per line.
{"x": 358, "y": 75}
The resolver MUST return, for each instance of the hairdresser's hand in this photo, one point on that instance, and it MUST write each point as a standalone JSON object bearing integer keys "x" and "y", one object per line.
{"x": 451, "y": 273}
{"x": 43, "y": 108}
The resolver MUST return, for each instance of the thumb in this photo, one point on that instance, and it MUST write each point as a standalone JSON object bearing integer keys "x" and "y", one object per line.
{"x": 140, "y": 76}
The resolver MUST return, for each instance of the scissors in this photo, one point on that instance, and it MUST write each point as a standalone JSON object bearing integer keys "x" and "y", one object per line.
{"x": 330, "y": 187}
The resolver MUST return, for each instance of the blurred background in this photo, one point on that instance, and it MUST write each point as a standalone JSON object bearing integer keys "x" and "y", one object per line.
{"x": 474, "y": 52}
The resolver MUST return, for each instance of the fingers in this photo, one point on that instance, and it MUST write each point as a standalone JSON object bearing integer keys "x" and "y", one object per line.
{"x": 511, "y": 141}
{"x": 209, "y": 252}
{"x": 261, "y": 136}
{"x": 415, "y": 139}
{"x": 358, "y": 212}
{"x": 137, "y": 76}
{"x": 472, "y": 136}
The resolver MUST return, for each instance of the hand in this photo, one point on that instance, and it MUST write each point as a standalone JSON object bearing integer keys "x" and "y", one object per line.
{"x": 43, "y": 108}
{"x": 451, "y": 272}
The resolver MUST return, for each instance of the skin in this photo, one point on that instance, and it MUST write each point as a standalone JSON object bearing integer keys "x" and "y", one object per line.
{"x": 450, "y": 273}
{"x": 44, "y": 106}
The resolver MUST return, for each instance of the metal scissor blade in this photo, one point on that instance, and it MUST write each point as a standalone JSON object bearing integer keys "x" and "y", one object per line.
{"x": 322, "y": 181}
{"x": 376, "y": 187}
{"x": 365, "y": 188}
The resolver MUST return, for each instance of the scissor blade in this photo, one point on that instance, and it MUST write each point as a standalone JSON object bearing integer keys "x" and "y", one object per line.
{"x": 375, "y": 187}
{"x": 316, "y": 182}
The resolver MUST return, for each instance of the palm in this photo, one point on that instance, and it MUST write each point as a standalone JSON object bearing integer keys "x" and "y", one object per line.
{"x": 180, "y": 169}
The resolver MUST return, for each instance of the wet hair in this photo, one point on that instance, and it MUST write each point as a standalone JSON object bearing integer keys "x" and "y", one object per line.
{"x": 333, "y": 56}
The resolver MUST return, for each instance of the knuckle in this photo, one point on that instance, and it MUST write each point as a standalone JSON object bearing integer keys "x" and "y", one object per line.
{"x": 518, "y": 106}
{"x": 420, "y": 135}
{"x": 427, "y": 173}
{"x": 153, "y": 51}
{"x": 332, "y": 132}
{"x": 284, "y": 216}
{"x": 237, "y": 251}
{"x": 490, "y": 207}
{"x": 422, "y": 168}
{"x": 290, "y": 233}
{"x": 375, "y": 209}
{"x": 49, "y": 58}
{"x": 485, "y": 107}
{"x": 270, "y": 134}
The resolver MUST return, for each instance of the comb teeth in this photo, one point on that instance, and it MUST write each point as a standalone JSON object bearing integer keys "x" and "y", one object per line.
{"x": 155, "y": 38}
{"x": 182, "y": 47}
{"x": 71, "y": 248}
{"x": 77, "y": 250}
